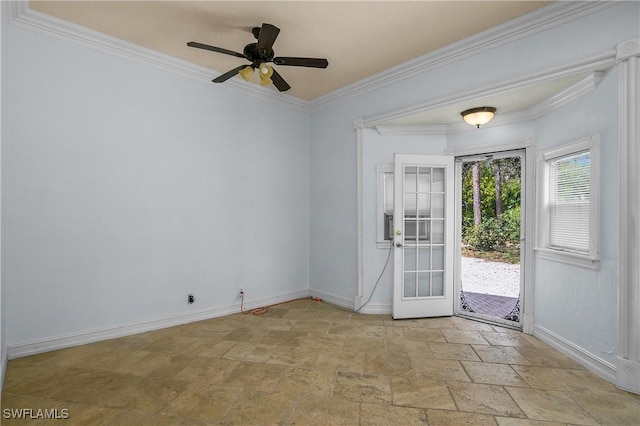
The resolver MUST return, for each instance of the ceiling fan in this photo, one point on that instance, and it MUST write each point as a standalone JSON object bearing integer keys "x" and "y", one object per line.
{"x": 259, "y": 54}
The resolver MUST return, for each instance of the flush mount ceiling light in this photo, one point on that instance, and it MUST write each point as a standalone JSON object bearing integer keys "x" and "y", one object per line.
{"x": 478, "y": 116}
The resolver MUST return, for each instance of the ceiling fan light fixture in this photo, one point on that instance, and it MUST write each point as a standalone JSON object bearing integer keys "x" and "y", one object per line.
{"x": 246, "y": 72}
{"x": 265, "y": 75}
{"x": 259, "y": 53}
{"x": 478, "y": 116}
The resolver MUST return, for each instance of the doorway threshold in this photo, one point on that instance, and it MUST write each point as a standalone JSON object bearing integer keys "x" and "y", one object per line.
{"x": 498, "y": 322}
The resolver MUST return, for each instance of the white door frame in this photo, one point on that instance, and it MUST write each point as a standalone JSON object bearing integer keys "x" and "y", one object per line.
{"x": 458, "y": 247}
{"x": 529, "y": 169}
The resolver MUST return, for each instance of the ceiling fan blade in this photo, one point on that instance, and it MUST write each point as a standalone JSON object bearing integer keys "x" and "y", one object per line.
{"x": 267, "y": 37}
{"x": 301, "y": 62}
{"x": 279, "y": 82}
{"x": 227, "y": 75}
{"x": 215, "y": 49}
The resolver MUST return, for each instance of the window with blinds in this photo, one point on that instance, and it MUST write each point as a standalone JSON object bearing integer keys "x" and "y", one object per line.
{"x": 569, "y": 202}
{"x": 388, "y": 193}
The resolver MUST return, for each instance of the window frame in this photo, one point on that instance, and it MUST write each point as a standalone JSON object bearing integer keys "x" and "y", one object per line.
{"x": 543, "y": 249}
{"x": 381, "y": 170}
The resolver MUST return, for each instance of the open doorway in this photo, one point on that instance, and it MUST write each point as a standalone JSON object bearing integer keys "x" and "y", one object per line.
{"x": 490, "y": 221}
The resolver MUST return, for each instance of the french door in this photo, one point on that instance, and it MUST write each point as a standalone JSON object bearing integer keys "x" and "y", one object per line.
{"x": 423, "y": 236}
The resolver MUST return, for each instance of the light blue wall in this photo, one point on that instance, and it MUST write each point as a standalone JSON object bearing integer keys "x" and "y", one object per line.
{"x": 491, "y": 136}
{"x": 376, "y": 150}
{"x": 333, "y": 203}
{"x": 333, "y": 159}
{"x": 576, "y": 303}
{"x": 129, "y": 187}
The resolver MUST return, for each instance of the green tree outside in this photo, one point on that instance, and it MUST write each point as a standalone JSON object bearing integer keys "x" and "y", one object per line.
{"x": 497, "y": 236}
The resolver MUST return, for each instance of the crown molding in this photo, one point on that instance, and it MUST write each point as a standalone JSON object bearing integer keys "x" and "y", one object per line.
{"x": 551, "y": 16}
{"x": 22, "y": 16}
{"x": 419, "y": 130}
{"x": 600, "y": 61}
{"x": 584, "y": 86}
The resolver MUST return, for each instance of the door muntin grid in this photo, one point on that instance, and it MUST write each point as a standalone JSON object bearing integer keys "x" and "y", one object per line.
{"x": 423, "y": 230}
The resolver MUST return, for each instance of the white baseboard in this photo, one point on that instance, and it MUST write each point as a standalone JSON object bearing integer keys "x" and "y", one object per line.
{"x": 91, "y": 336}
{"x": 371, "y": 308}
{"x": 377, "y": 309}
{"x": 591, "y": 362}
{"x": 332, "y": 298}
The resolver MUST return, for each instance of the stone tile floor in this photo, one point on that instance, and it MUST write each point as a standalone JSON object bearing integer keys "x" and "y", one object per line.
{"x": 307, "y": 362}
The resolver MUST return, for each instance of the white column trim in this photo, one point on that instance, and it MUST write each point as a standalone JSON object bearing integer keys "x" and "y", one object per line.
{"x": 628, "y": 368}
{"x": 627, "y": 49}
{"x": 3, "y": 131}
{"x": 528, "y": 305}
{"x": 357, "y": 124}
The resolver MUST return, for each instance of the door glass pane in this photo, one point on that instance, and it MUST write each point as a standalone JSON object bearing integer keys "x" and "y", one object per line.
{"x": 437, "y": 201}
{"x": 424, "y": 205}
{"x": 437, "y": 283}
{"x": 424, "y": 179}
{"x": 409, "y": 259}
{"x": 410, "y": 179}
{"x": 437, "y": 180}
{"x": 409, "y": 205}
{"x": 409, "y": 284}
{"x": 437, "y": 258}
{"x": 437, "y": 229}
{"x": 423, "y": 284}
{"x": 424, "y": 259}
{"x": 423, "y": 234}
{"x": 410, "y": 230}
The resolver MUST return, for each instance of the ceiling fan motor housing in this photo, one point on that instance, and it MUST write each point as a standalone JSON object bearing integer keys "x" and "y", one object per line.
{"x": 251, "y": 53}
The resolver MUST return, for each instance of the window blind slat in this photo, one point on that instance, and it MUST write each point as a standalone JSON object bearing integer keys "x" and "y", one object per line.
{"x": 569, "y": 204}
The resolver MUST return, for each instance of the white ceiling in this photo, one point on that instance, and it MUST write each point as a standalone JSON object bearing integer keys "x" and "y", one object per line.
{"x": 359, "y": 38}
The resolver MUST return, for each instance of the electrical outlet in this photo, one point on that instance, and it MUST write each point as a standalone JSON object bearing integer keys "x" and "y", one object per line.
{"x": 190, "y": 299}
{"x": 240, "y": 294}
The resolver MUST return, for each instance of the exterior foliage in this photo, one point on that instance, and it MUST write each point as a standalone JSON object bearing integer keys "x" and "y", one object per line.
{"x": 496, "y": 180}
{"x": 495, "y": 232}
